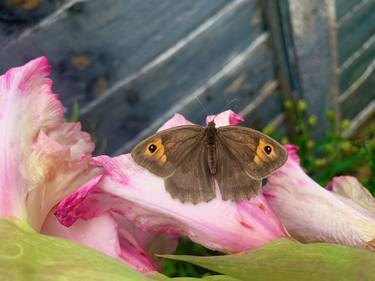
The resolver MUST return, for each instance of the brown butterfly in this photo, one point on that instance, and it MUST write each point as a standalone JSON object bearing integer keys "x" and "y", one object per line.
{"x": 190, "y": 158}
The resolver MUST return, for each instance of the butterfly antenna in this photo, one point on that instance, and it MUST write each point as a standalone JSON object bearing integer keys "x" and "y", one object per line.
{"x": 204, "y": 108}
{"x": 231, "y": 102}
{"x": 226, "y": 106}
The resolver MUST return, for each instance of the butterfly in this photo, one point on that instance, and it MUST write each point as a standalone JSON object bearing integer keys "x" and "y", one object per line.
{"x": 191, "y": 158}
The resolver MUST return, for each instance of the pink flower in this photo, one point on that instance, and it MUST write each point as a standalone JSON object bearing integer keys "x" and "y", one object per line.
{"x": 135, "y": 194}
{"x": 43, "y": 159}
{"x": 311, "y": 213}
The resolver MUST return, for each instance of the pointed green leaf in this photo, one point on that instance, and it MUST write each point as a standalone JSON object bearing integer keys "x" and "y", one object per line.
{"x": 26, "y": 255}
{"x": 161, "y": 277}
{"x": 287, "y": 260}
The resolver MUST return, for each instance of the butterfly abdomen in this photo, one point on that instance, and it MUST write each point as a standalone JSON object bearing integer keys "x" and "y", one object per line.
{"x": 211, "y": 133}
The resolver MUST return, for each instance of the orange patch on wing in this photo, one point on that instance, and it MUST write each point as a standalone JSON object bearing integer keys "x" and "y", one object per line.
{"x": 159, "y": 154}
{"x": 163, "y": 159}
{"x": 257, "y": 160}
{"x": 261, "y": 155}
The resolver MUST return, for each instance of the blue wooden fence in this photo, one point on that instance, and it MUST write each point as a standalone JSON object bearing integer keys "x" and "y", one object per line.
{"x": 131, "y": 64}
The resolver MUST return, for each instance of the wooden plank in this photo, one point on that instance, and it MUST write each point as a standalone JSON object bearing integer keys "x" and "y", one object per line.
{"x": 357, "y": 64}
{"x": 141, "y": 102}
{"x": 272, "y": 104}
{"x": 356, "y": 30}
{"x": 18, "y": 16}
{"x": 277, "y": 23}
{"x": 245, "y": 86}
{"x": 304, "y": 37}
{"x": 276, "y": 17}
{"x": 344, "y": 8}
{"x": 361, "y": 96}
{"x": 90, "y": 53}
{"x": 363, "y": 121}
{"x": 314, "y": 39}
{"x": 353, "y": 89}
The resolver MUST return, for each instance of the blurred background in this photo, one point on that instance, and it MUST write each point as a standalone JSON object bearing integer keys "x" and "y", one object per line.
{"x": 129, "y": 65}
{"x": 300, "y": 70}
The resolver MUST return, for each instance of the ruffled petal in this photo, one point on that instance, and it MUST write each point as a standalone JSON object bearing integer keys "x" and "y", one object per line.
{"x": 225, "y": 118}
{"x": 313, "y": 214}
{"x": 42, "y": 159}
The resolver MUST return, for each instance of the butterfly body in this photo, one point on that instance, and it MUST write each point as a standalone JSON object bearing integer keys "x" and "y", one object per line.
{"x": 210, "y": 134}
{"x": 192, "y": 158}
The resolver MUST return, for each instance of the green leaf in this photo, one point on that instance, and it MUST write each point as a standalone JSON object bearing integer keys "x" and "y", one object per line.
{"x": 75, "y": 112}
{"x": 161, "y": 277}
{"x": 27, "y": 255}
{"x": 287, "y": 260}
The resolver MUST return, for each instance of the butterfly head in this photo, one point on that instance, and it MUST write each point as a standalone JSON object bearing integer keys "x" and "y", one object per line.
{"x": 211, "y": 124}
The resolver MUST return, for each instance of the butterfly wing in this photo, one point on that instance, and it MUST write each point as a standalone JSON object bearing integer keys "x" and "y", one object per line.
{"x": 233, "y": 181}
{"x": 180, "y": 157}
{"x": 163, "y": 151}
{"x": 192, "y": 181}
{"x": 243, "y": 161}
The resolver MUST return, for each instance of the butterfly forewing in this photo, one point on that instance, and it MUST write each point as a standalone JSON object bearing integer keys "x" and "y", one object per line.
{"x": 169, "y": 148}
{"x": 248, "y": 147}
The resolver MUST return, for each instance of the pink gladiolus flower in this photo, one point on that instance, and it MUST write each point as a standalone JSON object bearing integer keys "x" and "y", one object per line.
{"x": 43, "y": 159}
{"x": 311, "y": 213}
{"x": 135, "y": 194}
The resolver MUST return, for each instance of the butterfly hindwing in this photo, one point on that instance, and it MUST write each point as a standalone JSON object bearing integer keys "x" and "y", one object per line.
{"x": 192, "y": 181}
{"x": 233, "y": 181}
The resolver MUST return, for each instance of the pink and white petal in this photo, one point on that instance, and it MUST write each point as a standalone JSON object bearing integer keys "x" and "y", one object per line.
{"x": 103, "y": 233}
{"x": 220, "y": 225}
{"x": 99, "y": 233}
{"x": 89, "y": 201}
{"x": 136, "y": 247}
{"x": 42, "y": 159}
{"x": 222, "y": 119}
{"x": 26, "y": 106}
{"x": 143, "y": 245}
{"x": 176, "y": 120}
{"x": 310, "y": 213}
{"x": 225, "y": 118}
{"x": 350, "y": 187}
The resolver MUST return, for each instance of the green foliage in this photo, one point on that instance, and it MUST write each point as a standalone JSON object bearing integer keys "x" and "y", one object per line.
{"x": 175, "y": 268}
{"x": 334, "y": 155}
{"x": 26, "y": 255}
{"x": 74, "y": 112}
{"x": 161, "y": 277}
{"x": 287, "y": 260}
